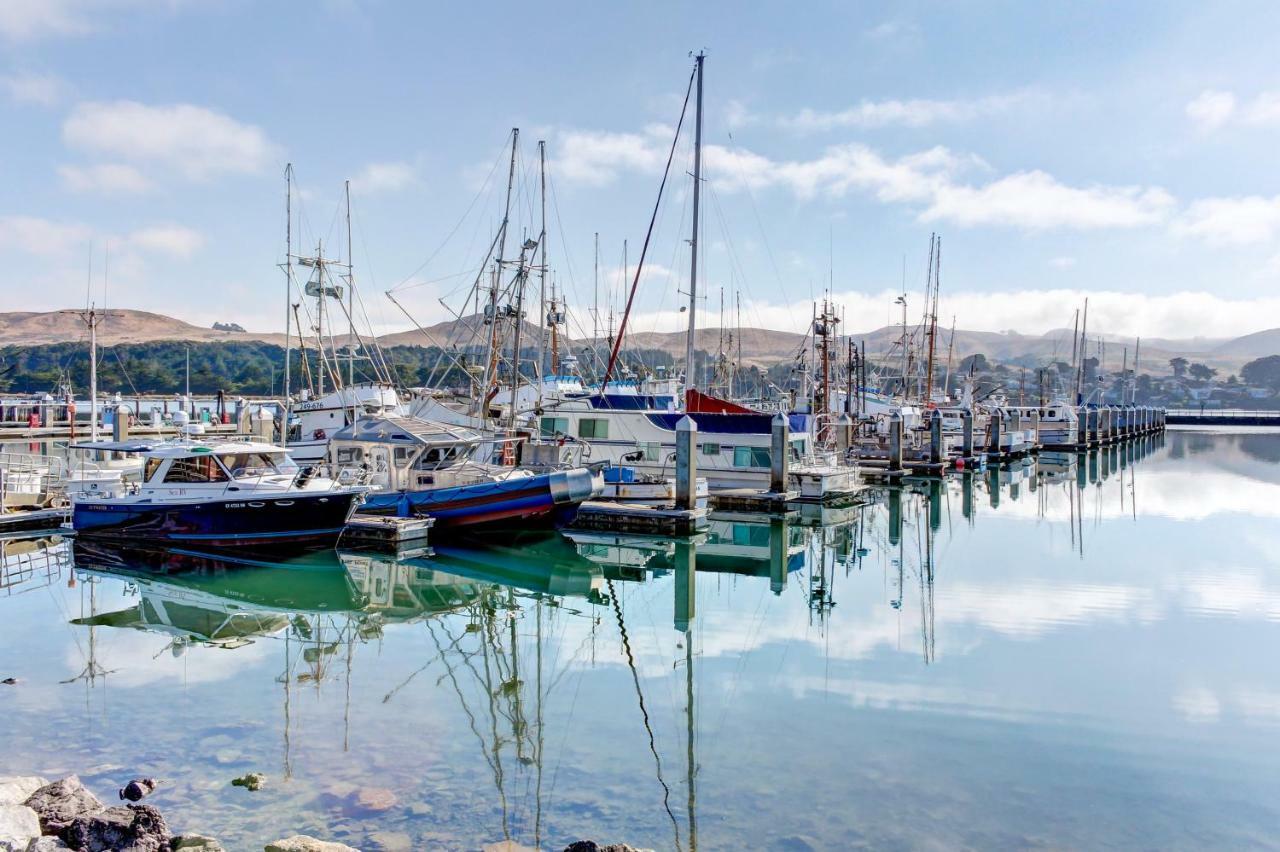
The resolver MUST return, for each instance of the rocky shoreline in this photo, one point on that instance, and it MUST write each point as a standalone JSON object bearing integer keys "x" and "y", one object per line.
{"x": 37, "y": 815}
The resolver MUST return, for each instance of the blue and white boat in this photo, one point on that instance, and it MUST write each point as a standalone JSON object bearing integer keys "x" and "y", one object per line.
{"x": 219, "y": 494}
{"x": 421, "y": 467}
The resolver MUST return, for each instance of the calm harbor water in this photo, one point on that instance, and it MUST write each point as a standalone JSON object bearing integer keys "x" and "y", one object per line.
{"x": 1074, "y": 655}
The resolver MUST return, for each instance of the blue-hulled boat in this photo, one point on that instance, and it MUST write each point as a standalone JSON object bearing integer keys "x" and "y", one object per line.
{"x": 224, "y": 494}
{"x": 421, "y": 467}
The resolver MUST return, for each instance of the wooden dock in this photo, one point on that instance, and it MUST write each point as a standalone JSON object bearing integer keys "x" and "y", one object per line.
{"x": 27, "y": 520}
{"x": 649, "y": 520}
{"x": 406, "y": 537}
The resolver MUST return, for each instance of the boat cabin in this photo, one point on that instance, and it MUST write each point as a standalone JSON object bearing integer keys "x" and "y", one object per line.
{"x": 181, "y": 468}
{"x": 404, "y": 454}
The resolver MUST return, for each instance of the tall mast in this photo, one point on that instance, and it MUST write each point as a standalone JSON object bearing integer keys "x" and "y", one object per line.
{"x": 690, "y": 381}
{"x": 1083, "y": 354}
{"x": 1124, "y": 373}
{"x": 288, "y": 293}
{"x": 737, "y": 362}
{"x": 595, "y": 311}
{"x": 351, "y": 310}
{"x": 492, "y": 368}
{"x": 951, "y": 348}
{"x": 542, "y": 269}
{"x": 1075, "y": 340}
{"x": 522, "y": 274}
{"x": 931, "y": 289}
{"x": 93, "y": 374}
{"x": 1133, "y": 392}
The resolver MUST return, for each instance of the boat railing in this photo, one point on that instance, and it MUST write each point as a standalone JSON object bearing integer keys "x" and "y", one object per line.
{"x": 27, "y": 474}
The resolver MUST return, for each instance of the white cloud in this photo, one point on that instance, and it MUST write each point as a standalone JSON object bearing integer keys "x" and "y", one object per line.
{"x": 33, "y": 235}
{"x": 384, "y": 177}
{"x": 194, "y": 141}
{"x": 175, "y": 240}
{"x": 38, "y": 89}
{"x": 736, "y": 114}
{"x": 914, "y": 112}
{"x": 1030, "y": 200}
{"x": 596, "y": 157}
{"x": 1231, "y": 221}
{"x": 22, "y": 20}
{"x": 888, "y": 30}
{"x": 108, "y": 178}
{"x": 1035, "y": 201}
{"x": 929, "y": 179}
{"x": 1213, "y": 109}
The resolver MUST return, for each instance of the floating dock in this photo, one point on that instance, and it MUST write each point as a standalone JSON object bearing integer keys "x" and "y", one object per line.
{"x": 405, "y": 537}
{"x": 28, "y": 520}
{"x": 649, "y": 520}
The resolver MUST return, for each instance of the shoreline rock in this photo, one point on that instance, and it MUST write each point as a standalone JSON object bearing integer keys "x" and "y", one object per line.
{"x": 19, "y": 825}
{"x": 61, "y": 803}
{"x": 137, "y": 828}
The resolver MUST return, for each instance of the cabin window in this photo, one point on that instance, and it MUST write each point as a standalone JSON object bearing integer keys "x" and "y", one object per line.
{"x": 248, "y": 464}
{"x": 652, "y": 450}
{"x": 153, "y": 464}
{"x": 710, "y": 449}
{"x": 751, "y": 457}
{"x": 402, "y": 456}
{"x": 349, "y": 455}
{"x": 552, "y": 426}
{"x": 592, "y": 428}
{"x": 196, "y": 469}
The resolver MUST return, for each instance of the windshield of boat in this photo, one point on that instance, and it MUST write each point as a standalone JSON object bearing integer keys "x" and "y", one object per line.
{"x": 444, "y": 456}
{"x": 258, "y": 464}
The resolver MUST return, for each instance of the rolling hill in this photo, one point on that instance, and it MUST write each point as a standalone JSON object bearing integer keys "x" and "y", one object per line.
{"x": 760, "y": 347}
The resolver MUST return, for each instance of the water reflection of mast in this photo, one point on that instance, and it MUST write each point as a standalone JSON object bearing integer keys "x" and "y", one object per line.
{"x": 92, "y": 669}
{"x": 685, "y": 610}
{"x": 644, "y": 713}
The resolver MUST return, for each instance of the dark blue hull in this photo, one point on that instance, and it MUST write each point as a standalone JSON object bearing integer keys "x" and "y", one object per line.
{"x": 294, "y": 520}
{"x": 545, "y": 500}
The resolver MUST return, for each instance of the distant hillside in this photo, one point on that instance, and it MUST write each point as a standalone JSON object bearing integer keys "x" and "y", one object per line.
{"x": 118, "y": 326}
{"x": 1250, "y": 346}
{"x": 760, "y": 347}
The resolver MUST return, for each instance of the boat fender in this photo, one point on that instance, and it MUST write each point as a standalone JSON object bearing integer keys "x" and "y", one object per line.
{"x": 573, "y": 486}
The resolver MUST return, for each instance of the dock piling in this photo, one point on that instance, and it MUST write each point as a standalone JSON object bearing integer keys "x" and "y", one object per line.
{"x": 895, "y": 441}
{"x": 120, "y": 424}
{"x": 935, "y": 438}
{"x": 779, "y": 455}
{"x": 687, "y": 463}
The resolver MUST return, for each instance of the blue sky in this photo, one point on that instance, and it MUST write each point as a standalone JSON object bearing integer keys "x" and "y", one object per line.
{"x": 1122, "y": 151}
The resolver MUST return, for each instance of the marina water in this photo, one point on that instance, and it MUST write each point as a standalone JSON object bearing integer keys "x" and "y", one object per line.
{"x": 1079, "y": 654}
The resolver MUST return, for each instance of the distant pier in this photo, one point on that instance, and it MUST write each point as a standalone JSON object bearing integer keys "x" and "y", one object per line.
{"x": 1222, "y": 417}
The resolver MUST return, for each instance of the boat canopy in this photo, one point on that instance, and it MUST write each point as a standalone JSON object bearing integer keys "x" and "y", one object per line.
{"x": 177, "y": 449}
{"x": 407, "y": 431}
